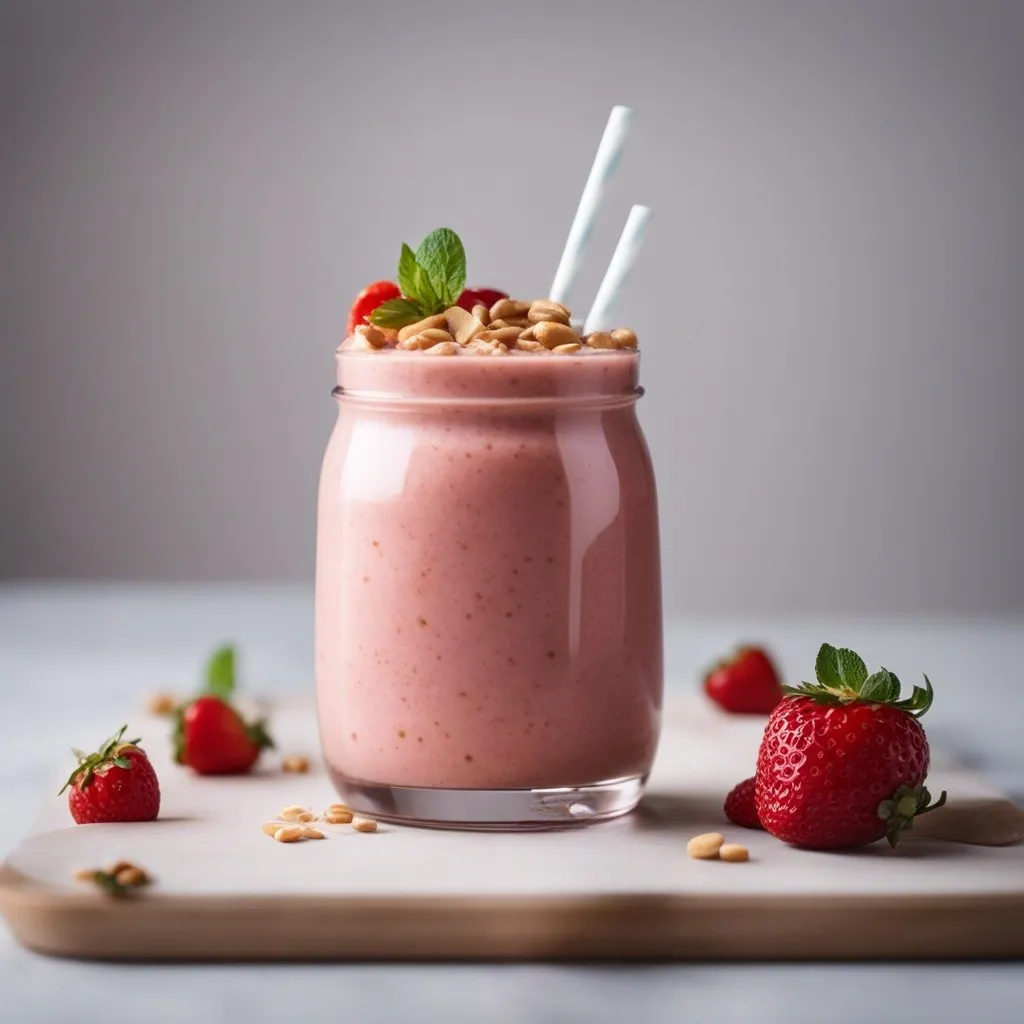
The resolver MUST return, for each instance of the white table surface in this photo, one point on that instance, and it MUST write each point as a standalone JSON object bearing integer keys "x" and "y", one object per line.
{"x": 74, "y": 657}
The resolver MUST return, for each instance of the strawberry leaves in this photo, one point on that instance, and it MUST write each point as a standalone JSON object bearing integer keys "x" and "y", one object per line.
{"x": 108, "y": 755}
{"x": 843, "y": 677}
{"x": 899, "y": 811}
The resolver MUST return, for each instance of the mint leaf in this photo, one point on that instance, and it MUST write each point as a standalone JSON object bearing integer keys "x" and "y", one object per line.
{"x": 826, "y": 666}
{"x": 881, "y": 686}
{"x": 443, "y": 258}
{"x": 415, "y": 283}
{"x": 396, "y": 313}
{"x": 852, "y": 669}
{"x": 220, "y": 673}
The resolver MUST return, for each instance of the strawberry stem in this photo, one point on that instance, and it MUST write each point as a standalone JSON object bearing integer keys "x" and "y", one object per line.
{"x": 899, "y": 811}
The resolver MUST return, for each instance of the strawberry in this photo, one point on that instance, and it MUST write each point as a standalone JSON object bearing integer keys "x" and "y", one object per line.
{"x": 739, "y": 805}
{"x": 843, "y": 760}
{"x": 487, "y": 296}
{"x": 117, "y": 783}
{"x": 372, "y": 296}
{"x": 745, "y": 683}
{"x": 210, "y": 736}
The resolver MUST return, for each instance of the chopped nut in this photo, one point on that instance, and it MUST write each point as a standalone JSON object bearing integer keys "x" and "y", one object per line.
{"x": 84, "y": 874}
{"x": 364, "y": 824}
{"x": 312, "y": 833}
{"x": 482, "y": 313}
{"x": 373, "y": 336}
{"x": 528, "y": 345}
{"x": 504, "y": 308}
{"x": 118, "y": 866}
{"x": 463, "y": 326}
{"x": 527, "y": 334}
{"x": 131, "y": 876}
{"x": 624, "y": 337}
{"x": 425, "y": 339}
{"x": 551, "y": 334}
{"x": 506, "y": 335}
{"x": 601, "y": 339}
{"x": 428, "y": 323}
{"x": 444, "y": 348}
{"x": 339, "y": 807}
{"x": 296, "y": 764}
{"x": 270, "y": 827}
{"x": 292, "y": 812}
{"x": 567, "y": 349}
{"x": 733, "y": 852}
{"x": 306, "y": 816}
{"x": 705, "y": 846}
{"x": 288, "y": 834}
{"x": 480, "y": 347}
{"x": 337, "y": 817}
{"x": 546, "y": 310}
{"x": 161, "y": 704}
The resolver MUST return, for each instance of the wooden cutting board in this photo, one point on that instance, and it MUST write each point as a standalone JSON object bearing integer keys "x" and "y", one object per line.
{"x": 623, "y": 889}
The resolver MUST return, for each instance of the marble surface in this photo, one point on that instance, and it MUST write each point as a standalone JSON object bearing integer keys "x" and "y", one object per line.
{"x": 73, "y": 658}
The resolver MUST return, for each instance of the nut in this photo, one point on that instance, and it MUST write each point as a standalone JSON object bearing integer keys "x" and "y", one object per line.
{"x": 131, "y": 876}
{"x": 542, "y": 310}
{"x": 312, "y": 833}
{"x": 337, "y": 817}
{"x": 480, "y": 347}
{"x": 426, "y": 324}
{"x": 306, "y": 816}
{"x": 506, "y": 335}
{"x": 444, "y": 348}
{"x": 705, "y": 846}
{"x": 529, "y": 345}
{"x": 504, "y": 308}
{"x": 84, "y": 874}
{"x": 364, "y": 824}
{"x": 733, "y": 852}
{"x": 288, "y": 834}
{"x": 462, "y": 325}
{"x": 292, "y": 812}
{"x": 601, "y": 339}
{"x": 425, "y": 339}
{"x": 296, "y": 764}
{"x": 482, "y": 313}
{"x": 519, "y": 321}
{"x": 527, "y": 334}
{"x": 624, "y": 337}
{"x": 270, "y": 827}
{"x": 161, "y": 704}
{"x": 551, "y": 334}
{"x": 567, "y": 349}
{"x": 339, "y": 807}
{"x": 374, "y": 337}
{"x": 118, "y": 866}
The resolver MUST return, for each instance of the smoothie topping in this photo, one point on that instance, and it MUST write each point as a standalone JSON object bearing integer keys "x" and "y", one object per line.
{"x": 431, "y": 311}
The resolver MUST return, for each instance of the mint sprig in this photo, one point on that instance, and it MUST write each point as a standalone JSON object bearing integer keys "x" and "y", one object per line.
{"x": 220, "y": 673}
{"x": 431, "y": 279}
{"x": 842, "y": 677}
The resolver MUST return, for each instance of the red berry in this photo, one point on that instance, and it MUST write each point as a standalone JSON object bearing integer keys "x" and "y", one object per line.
{"x": 487, "y": 296}
{"x": 368, "y": 300}
{"x": 747, "y": 683}
{"x": 213, "y": 739}
{"x": 117, "y": 783}
{"x": 739, "y": 805}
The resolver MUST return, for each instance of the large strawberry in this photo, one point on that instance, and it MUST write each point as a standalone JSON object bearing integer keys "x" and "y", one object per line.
{"x": 843, "y": 760}
{"x": 116, "y": 783}
{"x": 210, "y": 736}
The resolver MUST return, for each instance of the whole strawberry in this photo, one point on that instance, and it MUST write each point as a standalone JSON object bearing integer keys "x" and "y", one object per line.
{"x": 210, "y": 736}
{"x": 843, "y": 760}
{"x": 740, "y": 806}
{"x": 117, "y": 783}
{"x": 746, "y": 683}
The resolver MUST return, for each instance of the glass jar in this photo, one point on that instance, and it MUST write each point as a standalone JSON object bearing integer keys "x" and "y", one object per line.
{"x": 488, "y": 591}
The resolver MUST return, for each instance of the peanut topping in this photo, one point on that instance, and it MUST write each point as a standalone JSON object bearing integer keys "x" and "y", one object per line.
{"x": 463, "y": 326}
{"x": 425, "y": 339}
{"x": 551, "y": 334}
{"x": 505, "y": 308}
{"x": 546, "y": 310}
{"x": 426, "y": 324}
{"x": 624, "y": 337}
{"x": 444, "y": 348}
{"x": 482, "y": 313}
{"x": 567, "y": 349}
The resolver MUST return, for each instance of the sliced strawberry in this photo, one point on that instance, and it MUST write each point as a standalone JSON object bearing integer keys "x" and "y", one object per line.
{"x": 368, "y": 300}
{"x": 487, "y": 296}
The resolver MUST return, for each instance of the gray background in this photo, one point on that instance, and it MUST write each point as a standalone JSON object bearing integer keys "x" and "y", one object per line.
{"x": 831, "y": 300}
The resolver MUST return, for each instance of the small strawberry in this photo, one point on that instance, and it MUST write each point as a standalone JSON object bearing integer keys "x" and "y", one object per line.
{"x": 843, "y": 760}
{"x": 117, "y": 783}
{"x": 485, "y": 296}
{"x": 210, "y": 736}
{"x": 745, "y": 683}
{"x": 739, "y": 805}
{"x": 372, "y": 296}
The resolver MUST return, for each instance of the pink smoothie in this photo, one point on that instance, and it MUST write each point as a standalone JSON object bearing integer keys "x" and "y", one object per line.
{"x": 488, "y": 589}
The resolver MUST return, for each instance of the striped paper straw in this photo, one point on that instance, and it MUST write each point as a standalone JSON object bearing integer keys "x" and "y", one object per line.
{"x": 607, "y": 159}
{"x": 623, "y": 259}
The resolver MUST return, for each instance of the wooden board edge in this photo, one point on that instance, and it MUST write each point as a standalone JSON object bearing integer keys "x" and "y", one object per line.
{"x": 463, "y": 928}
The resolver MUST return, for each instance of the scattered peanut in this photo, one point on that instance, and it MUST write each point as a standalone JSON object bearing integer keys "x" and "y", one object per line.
{"x": 306, "y": 816}
{"x": 288, "y": 834}
{"x": 312, "y": 833}
{"x": 84, "y": 874}
{"x": 131, "y": 876}
{"x": 337, "y": 817}
{"x": 296, "y": 763}
{"x": 118, "y": 866}
{"x": 292, "y": 812}
{"x": 705, "y": 846}
{"x": 429, "y": 323}
{"x": 270, "y": 827}
{"x": 567, "y": 349}
{"x": 733, "y": 852}
{"x": 482, "y": 313}
{"x": 444, "y": 348}
{"x": 364, "y": 824}
{"x": 463, "y": 326}
{"x": 551, "y": 334}
{"x": 161, "y": 704}
{"x": 624, "y": 337}
{"x": 504, "y": 308}
{"x": 547, "y": 310}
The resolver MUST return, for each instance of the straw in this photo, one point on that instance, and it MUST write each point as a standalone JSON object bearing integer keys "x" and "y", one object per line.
{"x": 607, "y": 159}
{"x": 623, "y": 259}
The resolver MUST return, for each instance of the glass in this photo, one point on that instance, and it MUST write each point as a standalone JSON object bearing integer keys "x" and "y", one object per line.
{"x": 488, "y": 593}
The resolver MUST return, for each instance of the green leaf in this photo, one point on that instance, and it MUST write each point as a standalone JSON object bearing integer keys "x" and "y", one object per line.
{"x": 443, "y": 257}
{"x": 396, "y": 313}
{"x": 881, "y": 686}
{"x": 220, "y": 673}
{"x": 826, "y": 666}
{"x": 122, "y": 762}
{"x": 852, "y": 669}
{"x": 415, "y": 283}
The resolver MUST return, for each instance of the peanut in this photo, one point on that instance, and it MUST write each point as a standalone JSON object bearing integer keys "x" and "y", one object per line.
{"x": 542, "y": 310}
{"x": 444, "y": 348}
{"x": 288, "y": 834}
{"x": 364, "y": 824}
{"x": 529, "y": 345}
{"x": 292, "y": 812}
{"x": 84, "y": 874}
{"x": 425, "y": 339}
{"x": 482, "y": 313}
{"x": 463, "y": 326}
{"x": 527, "y": 334}
{"x": 270, "y": 827}
{"x": 567, "y": 349}
{"x": 132, "y": 876}
{"x": 373, "y": 337}
{"x": 338, "y": 817}
{"x": 504, "y": 308}
{"x": 339, "y": 807}
{"x": 601, "y": 339}
{"x": 506, "y": 335}
{"x": 161, "y": 704}
{"x": 295, "y": 764}
{"x": 426, "y": 324}
{"x": 119, "y": 866}
{"x": 486, "y": 348}
{"x": 705, "y": 846}
{"x": 551, "y": 334}
{"x": 624, "y": 337}
{"x": 312, "y": 833}
{"x": 733, "y": 852}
